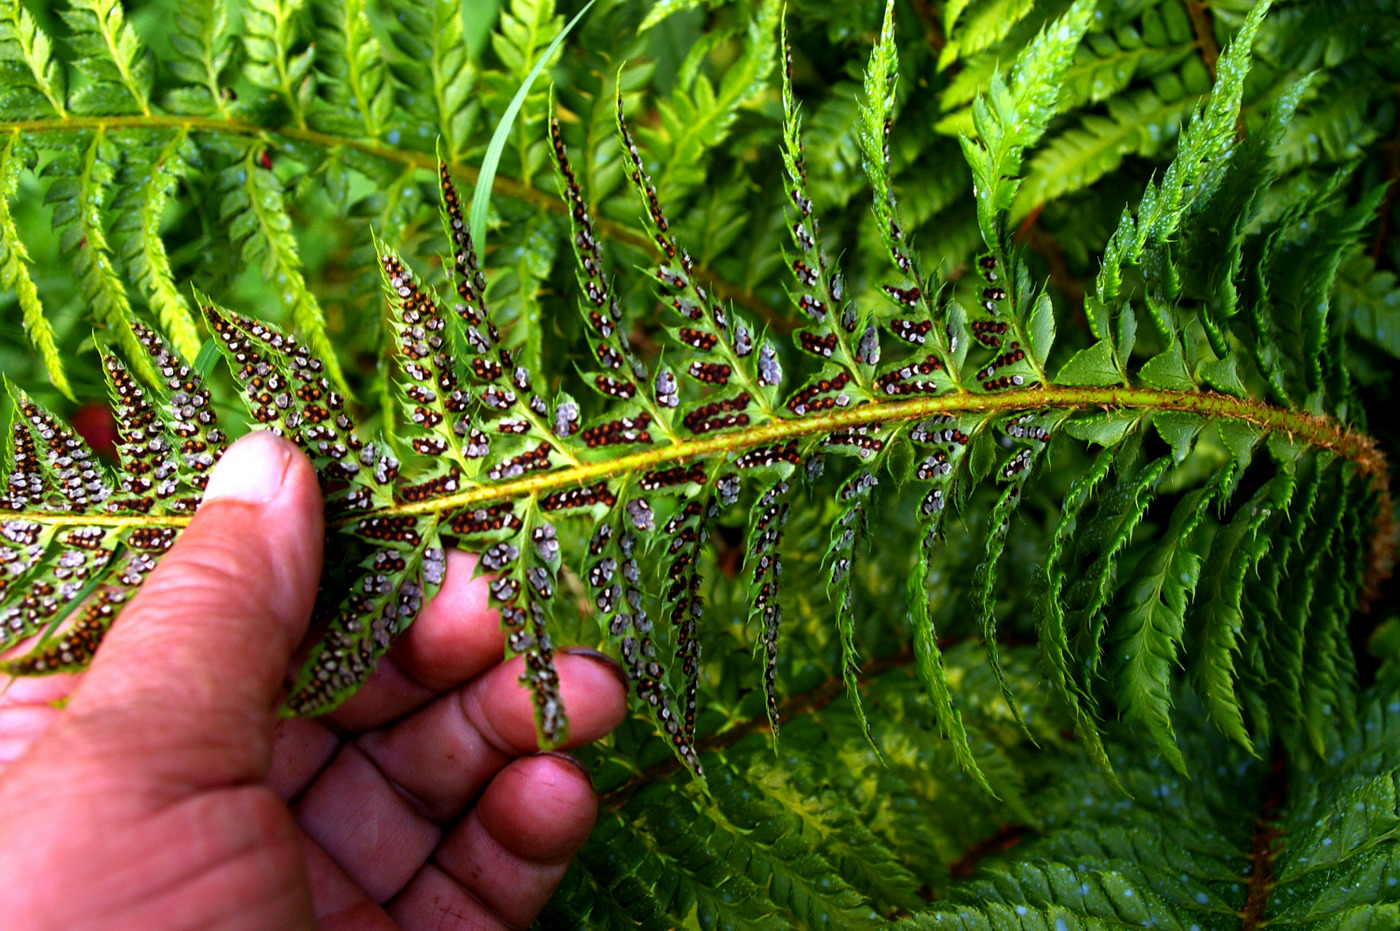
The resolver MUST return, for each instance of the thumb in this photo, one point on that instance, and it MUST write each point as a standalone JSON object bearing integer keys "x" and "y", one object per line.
{"x": 191, "y": 668}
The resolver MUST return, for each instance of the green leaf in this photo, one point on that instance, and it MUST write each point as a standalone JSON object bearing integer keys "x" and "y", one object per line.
{"x": 79, "y": 191}
{"x": 1099, "y": 546}
{"x": 149, "y": 179}
{"x": 202, "y": 43}
{"x": 1138, "y": 123}
{"x": 1223, "y": 375}
{"x": 1041, "y": 329}
{"x": 251, "y": 203}
{"x": 1106, "y": 429}
{"x": 1093, "y": 366}
{"x": 985, "y": 27}
{"x": 14, "y": 271}
{"x": 1167, "y": 370}
{"x": 930, "y": 668}
{"x": 118, "y": 69}
{"x": 1014, "y": 114}
{"x": 1179, "y": 429}
{"x": 42, "y": 90}
{"x": 1216, "y": 620}
{"x": 431, "y": 32}
{"x": 207, "y": 356}
{"x": 353, "y": 79}
{"x": 1203, "y": 155}
{"x": 481, "y": 197}
{"x": 1147, "y": 636}
{"x": 271, "y": 31}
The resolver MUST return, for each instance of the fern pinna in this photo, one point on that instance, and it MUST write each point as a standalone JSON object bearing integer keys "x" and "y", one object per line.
{"x": 1176, "y": 481}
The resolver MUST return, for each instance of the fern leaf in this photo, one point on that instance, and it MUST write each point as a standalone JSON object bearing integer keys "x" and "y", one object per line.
{"x": 78, "y": 193}
{"x": 439, "y": 95}
{"x": 272, "y": 32}
{"x": 1101, "y": 542}
{"x": 43, "y": 90}
{"x": 639, "y": 475}
{"x": 353, "y": 78}
{"x": 1364, "y": 297}
{"x": 516, "y": 44}
{"x": 147, "y": 183}
{"x": 769, "y": 514}
{"x": 1149, "y": 635}
{"x": 851, "y": 525}
{"x": 1014, "y": 115}
{"x": 988, "y": 23}
{"x": 203, "y": 46}
{"x": 1136, "y": 124}
{"x": 14, "y": 270}
{"x": 119, "y": 70}
{"x": 88, "y": 564}
{"x": 1217, "y": 620}
{"x": 1202, "y": 156}
{"x": 250, "y": 202}
{"x": 1341, "y": 828}
{"x": 938, "y": 468}
{"x": 698, "y": 115}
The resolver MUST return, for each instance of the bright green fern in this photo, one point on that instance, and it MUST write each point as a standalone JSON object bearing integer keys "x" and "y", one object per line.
{"x": 961, "y": 419}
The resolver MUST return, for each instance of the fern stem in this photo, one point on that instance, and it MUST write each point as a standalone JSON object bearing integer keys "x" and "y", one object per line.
{"x": 1048, "y": 248}
{"x": 1319, "y": 432}
{"x": 1316, "y": 431}
{"x": 1265, "y": 848}
{"x": 1205, "y": 35}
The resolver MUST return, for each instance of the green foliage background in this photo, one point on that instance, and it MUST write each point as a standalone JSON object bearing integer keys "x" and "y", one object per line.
{"x": 252, "y": 149}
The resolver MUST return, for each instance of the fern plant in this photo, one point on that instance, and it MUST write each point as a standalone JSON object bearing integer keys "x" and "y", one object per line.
{"x": 1038, "y": 485}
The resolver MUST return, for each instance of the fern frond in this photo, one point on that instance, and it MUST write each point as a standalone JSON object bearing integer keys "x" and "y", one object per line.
{"x": 42, "y": 90}
{"x": 353, "y": 78}
{"x": 147, "y": 182}
{"x": 698, "y": 114}
{"x": 14, "y": 269}
{"x": 203, "y": 48}
{"x": 985, "y": 25}
{"x": 272, "y": 32}
{"x": 78, "y": 191}
{"x": 250, "y": 204}
{"x": 1014, "y": 114}
{"x": 439, "y": 95}
{"x": 1136, "y": 124}
{"x": 774, "y": 393}
{"x": 118, "y": 69}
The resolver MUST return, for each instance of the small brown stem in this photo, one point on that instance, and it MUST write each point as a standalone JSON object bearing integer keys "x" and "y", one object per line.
{"x": 1265, "y": 849}
{"x": 1392, "y": 191}
{"x": 1046, "y": 246}
{"x": 1006, "y": 837}
{"x": 933, "y": 30}
{"x": 1205, "y": 34}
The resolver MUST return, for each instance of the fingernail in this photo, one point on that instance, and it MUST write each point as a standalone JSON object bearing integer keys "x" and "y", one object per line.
{"x": 602, "y": 659}
{"x": 251, "y": 471}
{"x": 573, "y": 761}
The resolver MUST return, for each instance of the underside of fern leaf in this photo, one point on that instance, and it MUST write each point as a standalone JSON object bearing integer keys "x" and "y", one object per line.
{"x": 1207, "y": 507}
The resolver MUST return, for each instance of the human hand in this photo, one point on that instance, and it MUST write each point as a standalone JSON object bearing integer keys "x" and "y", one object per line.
{"x": 162, "y": 795}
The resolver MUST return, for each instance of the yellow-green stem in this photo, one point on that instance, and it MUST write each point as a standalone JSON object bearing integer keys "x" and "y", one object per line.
{"x": 1319, "y": 432}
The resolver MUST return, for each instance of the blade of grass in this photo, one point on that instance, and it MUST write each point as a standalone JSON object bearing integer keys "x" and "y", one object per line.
{"x": 481, "y": 197}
